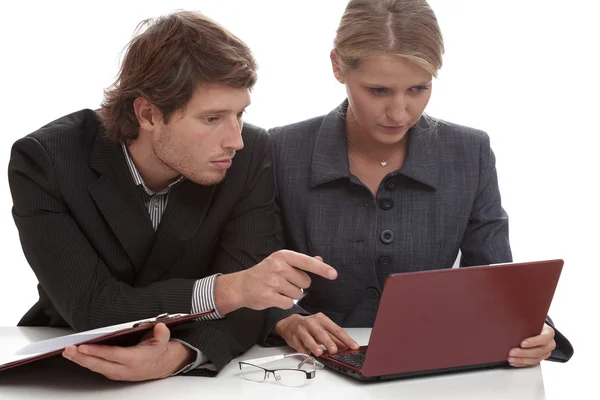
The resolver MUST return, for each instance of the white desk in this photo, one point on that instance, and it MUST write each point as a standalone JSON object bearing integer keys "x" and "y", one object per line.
{"x": 64, "y": 380}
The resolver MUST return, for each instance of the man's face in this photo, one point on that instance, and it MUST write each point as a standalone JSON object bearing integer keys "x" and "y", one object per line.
{"x": 200, "y": 141}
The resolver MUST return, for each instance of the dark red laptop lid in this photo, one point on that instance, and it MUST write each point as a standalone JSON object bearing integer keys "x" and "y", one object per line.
{"x": 459, "y": 317}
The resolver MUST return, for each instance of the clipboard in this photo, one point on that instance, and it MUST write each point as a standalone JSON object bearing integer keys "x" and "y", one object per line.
{"x": 55, "y": 346}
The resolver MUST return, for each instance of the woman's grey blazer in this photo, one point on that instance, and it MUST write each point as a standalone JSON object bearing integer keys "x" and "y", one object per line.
{"x": 445, "y": 198}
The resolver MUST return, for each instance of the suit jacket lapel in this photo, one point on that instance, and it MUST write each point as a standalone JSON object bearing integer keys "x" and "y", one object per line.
{"x": 188, "y": 204}
{"x": 120, "y": 201}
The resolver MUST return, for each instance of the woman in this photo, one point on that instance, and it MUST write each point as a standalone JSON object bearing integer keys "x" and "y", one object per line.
{"x": 376, "y": 187}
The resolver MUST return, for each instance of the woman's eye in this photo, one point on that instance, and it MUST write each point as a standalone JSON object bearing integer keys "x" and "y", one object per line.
{"x": 378, "y": 91}
{"x": 419, "y": 89}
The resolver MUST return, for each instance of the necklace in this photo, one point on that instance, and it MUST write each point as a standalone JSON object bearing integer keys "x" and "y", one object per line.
{"x": 382, "y": 162}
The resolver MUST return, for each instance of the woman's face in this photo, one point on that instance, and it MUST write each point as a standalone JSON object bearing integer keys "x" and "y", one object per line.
{"x": 386, "y": 96}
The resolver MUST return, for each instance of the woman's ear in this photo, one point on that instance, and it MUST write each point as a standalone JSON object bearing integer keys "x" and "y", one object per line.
{"x": 335, "y": 65}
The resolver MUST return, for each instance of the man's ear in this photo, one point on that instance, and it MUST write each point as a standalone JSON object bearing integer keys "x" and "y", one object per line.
{"x": 146, "y": 113}
{"x": 335, "y": 65}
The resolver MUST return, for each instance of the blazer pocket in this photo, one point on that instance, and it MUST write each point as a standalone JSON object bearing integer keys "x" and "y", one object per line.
{"x": 203, "y": 247}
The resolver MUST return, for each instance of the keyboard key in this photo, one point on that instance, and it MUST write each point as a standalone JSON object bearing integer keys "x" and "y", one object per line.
{"x": 356, "y": 359}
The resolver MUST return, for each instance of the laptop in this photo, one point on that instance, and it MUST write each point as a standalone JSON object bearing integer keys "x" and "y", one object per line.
{"x": 452, "y": 319}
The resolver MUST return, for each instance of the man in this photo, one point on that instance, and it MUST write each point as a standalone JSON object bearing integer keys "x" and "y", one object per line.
{"x": 140, "y": 208}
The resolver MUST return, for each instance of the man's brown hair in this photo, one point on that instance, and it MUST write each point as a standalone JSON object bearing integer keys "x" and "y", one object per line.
{"x": 166, "y": 62}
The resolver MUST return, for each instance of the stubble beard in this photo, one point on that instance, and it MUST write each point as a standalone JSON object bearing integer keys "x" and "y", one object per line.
{"x": 207, "y": 176}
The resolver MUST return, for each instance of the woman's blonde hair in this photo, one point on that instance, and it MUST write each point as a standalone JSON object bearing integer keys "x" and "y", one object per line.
{"x": 405, "y": 28}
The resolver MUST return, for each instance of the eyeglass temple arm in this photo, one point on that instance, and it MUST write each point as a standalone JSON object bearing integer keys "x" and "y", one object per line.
{"x": 314, "y": 361}
{"x": 265, "y": 360}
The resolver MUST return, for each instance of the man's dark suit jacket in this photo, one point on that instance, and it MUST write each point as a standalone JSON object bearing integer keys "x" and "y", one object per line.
{"x": 445, "y": 198}
{"x": 88, "y": 237}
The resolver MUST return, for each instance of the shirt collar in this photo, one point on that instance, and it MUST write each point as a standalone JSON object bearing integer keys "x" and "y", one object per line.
{"x": 330, "y": 155}
{"x": 137, "y": 178}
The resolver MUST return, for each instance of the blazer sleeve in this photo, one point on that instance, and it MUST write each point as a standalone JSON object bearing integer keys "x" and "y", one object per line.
{"x": 564, "y": 350}
{"x": 485, "y": 240}
{"x": 275, "y": 314}
{"x": 248, "y": 238}
{"x": 78, "y": 283}
{"x": 486, "y": 237}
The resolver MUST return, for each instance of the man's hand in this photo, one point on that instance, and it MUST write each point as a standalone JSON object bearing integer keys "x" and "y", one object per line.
{"x": 533, "y": 350}
{"x": 154, "y": 357}
{"x": 310, "y": 332}
{"x": 275, "y": 282}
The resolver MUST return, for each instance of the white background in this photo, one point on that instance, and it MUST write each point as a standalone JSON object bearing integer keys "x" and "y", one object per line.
{"x": 525, "y": 71}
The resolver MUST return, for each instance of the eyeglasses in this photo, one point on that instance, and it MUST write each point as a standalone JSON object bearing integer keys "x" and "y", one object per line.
{"x": 284, "y": 376}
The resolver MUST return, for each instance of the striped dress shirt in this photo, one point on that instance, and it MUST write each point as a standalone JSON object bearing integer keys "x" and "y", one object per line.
{"x": 203, "y": 297}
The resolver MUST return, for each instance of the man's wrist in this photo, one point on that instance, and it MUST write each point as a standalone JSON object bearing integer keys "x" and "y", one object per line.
{"x": 228, "y": 295}
{"x": 181, "y": 355}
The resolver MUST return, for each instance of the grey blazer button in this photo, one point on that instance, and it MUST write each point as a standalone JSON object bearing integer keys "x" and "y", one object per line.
{"x": 390, "y": 184}
{"x": 387, "y": 236}
{"x": 373, "y": 292}
{"x": 386, "y": 203}
{"x": 384, "y": 261}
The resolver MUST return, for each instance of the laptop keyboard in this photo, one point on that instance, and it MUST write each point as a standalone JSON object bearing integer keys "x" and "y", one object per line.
{"x": 356, "y": 359}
